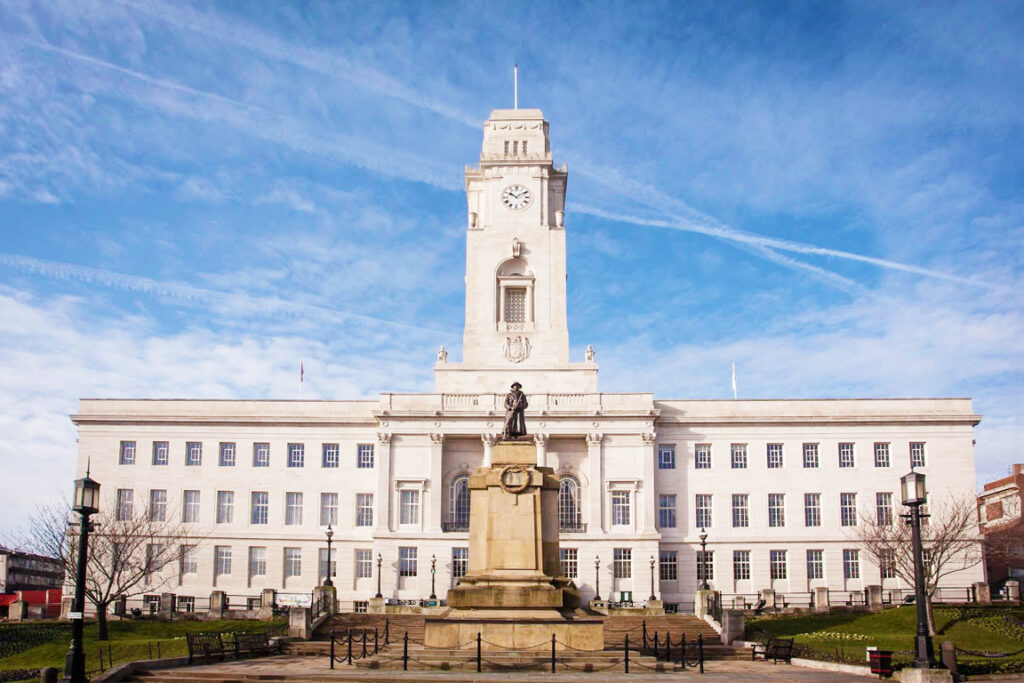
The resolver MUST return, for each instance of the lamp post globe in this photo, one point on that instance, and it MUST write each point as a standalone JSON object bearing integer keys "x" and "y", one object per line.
{"x": 915, "y": 494}
{"x": 330, "y": 535}
{"x": 86, "y": 503}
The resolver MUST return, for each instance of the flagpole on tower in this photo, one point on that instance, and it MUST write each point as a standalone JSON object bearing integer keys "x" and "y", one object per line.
{"x": 734, "y": 381}
{"x": 515, "y": 87}
{"x": 302, "y": 373}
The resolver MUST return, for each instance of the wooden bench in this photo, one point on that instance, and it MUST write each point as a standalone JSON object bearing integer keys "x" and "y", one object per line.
{"x": 253, "y": 644}
{"x": 775, "y": 649}
{"x": 205, "y": 644}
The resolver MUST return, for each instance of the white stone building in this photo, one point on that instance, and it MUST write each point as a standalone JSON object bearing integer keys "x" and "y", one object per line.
{"x": 777, "y": 484}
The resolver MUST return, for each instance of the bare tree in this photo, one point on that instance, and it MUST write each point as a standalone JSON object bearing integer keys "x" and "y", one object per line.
{"x": 130, "y": 553}
{"x": 950, "y": 536}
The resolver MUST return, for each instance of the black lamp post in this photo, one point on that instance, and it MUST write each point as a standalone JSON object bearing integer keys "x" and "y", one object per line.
{"x": 914, "y": 496}
{"x": 597, "y": 577}
{"x": 433, "y": 574}
{"x": 703, "y": 558}
{"x": 87, "y": 498}
{"x": 380, "y": 564}
{"x": 330, "y": 535}
{"x": 653, "y": 597}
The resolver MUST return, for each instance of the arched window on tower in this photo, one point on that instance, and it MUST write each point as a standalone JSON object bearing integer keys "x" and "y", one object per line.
{"x": 458, "y": 504}
{"x": 515, "y": 283}
{"x": 569, "y": 518}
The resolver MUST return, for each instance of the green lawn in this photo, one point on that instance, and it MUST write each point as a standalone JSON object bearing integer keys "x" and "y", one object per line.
{"x": 129, "y": 640}
{"x": 844, "y": 636}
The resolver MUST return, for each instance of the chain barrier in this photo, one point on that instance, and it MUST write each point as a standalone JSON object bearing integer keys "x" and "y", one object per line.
{"x": 988, "y": 655}
{"x": 575, "y": 649}
{"x": 515, "y": 649}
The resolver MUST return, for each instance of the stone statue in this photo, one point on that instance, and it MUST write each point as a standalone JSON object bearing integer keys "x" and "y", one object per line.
{"x": 515, "y": 407}
{"x": 589, "y": 353}
{"x": 442, "y": 355}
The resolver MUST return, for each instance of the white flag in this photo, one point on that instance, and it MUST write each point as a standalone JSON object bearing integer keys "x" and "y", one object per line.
{"x": 734, "y": 381}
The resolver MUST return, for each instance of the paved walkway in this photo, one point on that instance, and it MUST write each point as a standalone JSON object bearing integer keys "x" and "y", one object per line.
{"x": 310, "y": 669}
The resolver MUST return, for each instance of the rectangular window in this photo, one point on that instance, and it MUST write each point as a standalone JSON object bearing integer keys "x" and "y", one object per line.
{"x": 740, "y": 565}
{"x": 225, "y": 507}
{"x": 407, "y": 563}
{"x": 622, "y": 563}
{"x": 125, "y": 500}
{"x": 666, "y": 457}
{"x": 848, "y": 509}
{"x": 851, "y": 563}
{"x": 705, "y": 565}
{"x": 227, "y": 455}
{"x": 620, "y": 508}
{"x": 668, "y": 565}
{"x": 190, "y": 506}
{"x": 331, "y": 458}
{"x": 774, "y": 456}
{"x": 261, "y": 455}
{"x": 776, "y": 509}
{"x": 810, "y": 455}
{"x": 322, "y": 562}
{"x": 515, "y": 304}
{"x": 883, "y": 508}
{"x": 667, "y": 511}
{"x": 364, "y": 564}
{"x": 158, "y": 505}
{"x": 127, "y": 452}
{"x": 739, "y": 456}
{"x": 702, "y": 507}
{"x": 846, "y": 455}
{"x": 409, "y": 504}
{"x": 815, "y": 564}
{"x": 222, "y": 560}
{"x": 777, "y": 563}
{"x": 460, "y": 562}
{"x": 292, "y": 562}
{"x": 568, "y": 559}
{"x": 740, "y": 513}
{"x": 257, "y": 561}
{"x": 365, "y": 457}
{"x": 328, "y": 509}
{"x": 812, "y": 509}
{"x": 185, "y": 604}
{"x": 702, "y": 456}
{"x": 292, "y": 508}
{"x": 916, "y": 454}
{"x": 887, "y": 564}
{"x": 260, "y": 507}
{"x": 189, "y": 560}
{"x": 364, "y": 509}
{"x": 161, "y": 453}
{"x": 193, "y": 454}
{"x": 296, "y": 455}
{"x": 881, "y": 455}
{"x": 361, "y": 606}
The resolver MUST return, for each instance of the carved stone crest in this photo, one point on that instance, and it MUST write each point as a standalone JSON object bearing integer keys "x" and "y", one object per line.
{"x": 516, "y": 349}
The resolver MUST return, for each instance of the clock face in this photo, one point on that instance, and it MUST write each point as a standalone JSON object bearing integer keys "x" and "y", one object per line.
{"x": 516, "y": 197}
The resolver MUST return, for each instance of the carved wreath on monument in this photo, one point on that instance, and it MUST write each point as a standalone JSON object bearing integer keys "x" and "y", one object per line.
{"x": 514, "y": 479}
{"x": 516, "y": 350}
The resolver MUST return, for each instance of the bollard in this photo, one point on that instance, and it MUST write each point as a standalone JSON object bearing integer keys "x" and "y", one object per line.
{"x": 405, "y": 652}
{"x": 552, "y": 653}
{"x": 387, "y": 631}
{"x": 49, "y": 675}
{"x": 350, "y": 646}
{"x": 668, "y": 647}
{"x": 625, "y": 652}
{"x": 948, "y": 656}
{"x": 332, "y": 648}
{"x": 700, "y": 651}
{"x": 644, "y": 625}
{"x": 363, "y": 656}
{"x": 158, "y": 655}
{"x": 655, "y": 645}
{"x": 376, "y": 644}
{"x": 101, "y": 659}
{"x": 682, "y": 651}
{"x": 478, "y": 645}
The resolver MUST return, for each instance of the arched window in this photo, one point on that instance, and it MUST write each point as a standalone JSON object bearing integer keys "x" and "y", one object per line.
{"x": 569, "y": 504}
{"x": 458, "y": 503}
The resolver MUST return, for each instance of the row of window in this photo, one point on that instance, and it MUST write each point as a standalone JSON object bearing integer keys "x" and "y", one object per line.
{"x": 703, "y": 516}
{"x": 775, "y": 460}
{"x": 779, "y": 568}
{"x": 228, "y": 454}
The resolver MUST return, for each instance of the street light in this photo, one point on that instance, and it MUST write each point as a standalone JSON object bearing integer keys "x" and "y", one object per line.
{"x": 653, "y": 597}
{"x": 380, "y": 563}
{"x": 87, "y": 499}
{"x": 330, "y": 535}
{"x": 703, "y": 558}
{"x": 433, "y": 572}
{"x": 597, "y": 577}
{"x": 914, "y": 496}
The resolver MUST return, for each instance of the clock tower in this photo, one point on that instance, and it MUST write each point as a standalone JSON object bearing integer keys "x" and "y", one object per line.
{"x": 515, "y": 267}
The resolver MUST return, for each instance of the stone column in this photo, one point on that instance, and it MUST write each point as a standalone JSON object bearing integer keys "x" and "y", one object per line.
{"x": 167, "y": 604}
{"x": 541, "y": 440}
{"x": 702, "y": 601}
{"x": 217, "y": 602}
{"x": 821, "y": 599}
{"x": 300, "y": 623}
{"x": 983, "y": 593}
{"x": 732, "y": 625}
{"x": 649, "y": 504}
{"x": 267, "y": 599}
{"x": 382, "y": 511}
{"x": 330, "y": 597}
{"x": 768, "y": 595}
{"x": 874, "y": 598}
{"x": 436, "y": 482}
{"x": 489, "y": 441}
{"x": 595, "y": 474}
{"x": 1013, "y": 590}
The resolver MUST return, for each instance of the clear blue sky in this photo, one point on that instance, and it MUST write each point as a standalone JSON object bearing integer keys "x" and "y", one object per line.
{"x": 195, "y": 196}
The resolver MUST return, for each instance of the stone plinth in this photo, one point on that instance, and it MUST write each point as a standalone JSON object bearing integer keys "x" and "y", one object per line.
{"x": 908, "y": 675}
{"x": 513, "y": 592}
